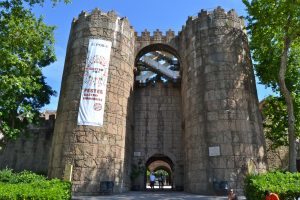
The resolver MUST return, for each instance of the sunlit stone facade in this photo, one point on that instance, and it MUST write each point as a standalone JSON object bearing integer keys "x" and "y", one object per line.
{"x": 206, "y": 127}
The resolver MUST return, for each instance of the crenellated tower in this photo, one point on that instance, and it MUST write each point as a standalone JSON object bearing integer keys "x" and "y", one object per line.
{"x": 222, "y": 124}
{"x": 97, "y": 153}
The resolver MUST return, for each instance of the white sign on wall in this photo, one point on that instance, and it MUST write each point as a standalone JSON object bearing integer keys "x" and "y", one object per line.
{"x": 92, "y": 101}
{"x": 214, "y": 151}
{"x": 136, "y": 154}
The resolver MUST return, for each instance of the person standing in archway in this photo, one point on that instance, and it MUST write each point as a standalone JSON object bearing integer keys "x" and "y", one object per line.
{"x": 162, "y": 181}
{"x": 159, "y": 182}
{"x": 152, "y": 180}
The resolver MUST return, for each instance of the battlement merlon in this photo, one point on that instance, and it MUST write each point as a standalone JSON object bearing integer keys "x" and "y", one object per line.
{"x": 216, "y": 18}
{"x": 102, "y": 19}
{"x": 97, "y": 13}
{"x": 48, "y": 115}
{"x": 47, "y": 119}
{"x": 157, "y": 35}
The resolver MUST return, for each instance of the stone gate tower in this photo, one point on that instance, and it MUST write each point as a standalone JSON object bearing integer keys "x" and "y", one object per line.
{"x": 198, "y": 120}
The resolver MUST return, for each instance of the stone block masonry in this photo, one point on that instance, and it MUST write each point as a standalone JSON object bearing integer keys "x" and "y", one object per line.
{"x": 31, "y": 151}
{"x": 220, "y": 101}
{"x": 207, "y": 128}
{"x": 97, "y": 153}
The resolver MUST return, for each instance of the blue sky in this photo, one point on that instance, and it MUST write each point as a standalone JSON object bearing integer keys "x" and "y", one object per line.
{"x": 150, "y": 15}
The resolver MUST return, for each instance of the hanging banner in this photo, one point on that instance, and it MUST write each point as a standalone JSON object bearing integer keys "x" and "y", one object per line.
{"x": 92, "y": 101}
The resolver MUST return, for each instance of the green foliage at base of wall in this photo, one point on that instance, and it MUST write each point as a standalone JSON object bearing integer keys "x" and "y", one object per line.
{"x": 285, "y": 184}
{"x": 28, "y": 186}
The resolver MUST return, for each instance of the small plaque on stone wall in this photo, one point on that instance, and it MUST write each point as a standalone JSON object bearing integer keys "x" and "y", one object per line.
{"x": 214, "y": 151}
{"x": 137, "y": 154}
{"x": 68, "y": 172}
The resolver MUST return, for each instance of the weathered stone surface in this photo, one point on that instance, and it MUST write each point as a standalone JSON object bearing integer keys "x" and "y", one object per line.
{"x": 31, "y": 152}
{"x": 157, "y": 122}
{"x": 228, "y": 106}
{"x": 214, "y": 106}
{"x": 95, "y": 151}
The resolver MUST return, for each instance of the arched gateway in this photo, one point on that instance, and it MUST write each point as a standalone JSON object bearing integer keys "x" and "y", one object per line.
{"x": 185, "y": 104}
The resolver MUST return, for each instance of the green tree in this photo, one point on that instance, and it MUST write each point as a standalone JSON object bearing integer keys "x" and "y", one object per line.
{"x": 26, "y": 46}
{"x": 275, "y": 115}
{"x": 274, "y": 28}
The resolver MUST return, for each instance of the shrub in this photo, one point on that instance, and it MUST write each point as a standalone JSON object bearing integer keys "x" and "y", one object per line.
{"x": 7, "y": 176}
{"x": 28, "y": 185}
{"x": 285, "y": 184}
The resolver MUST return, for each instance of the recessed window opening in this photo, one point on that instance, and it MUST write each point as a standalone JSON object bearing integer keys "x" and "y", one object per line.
{"x": 157, "y": 66}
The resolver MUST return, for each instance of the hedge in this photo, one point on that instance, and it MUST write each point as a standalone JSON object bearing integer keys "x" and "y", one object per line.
{"x": 285, "y": 184}
{"x": 29, "y": 186}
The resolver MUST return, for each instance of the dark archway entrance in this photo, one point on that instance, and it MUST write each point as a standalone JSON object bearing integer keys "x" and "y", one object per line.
{"x": 162, "y": 167}
{"x": 157, "y": 118}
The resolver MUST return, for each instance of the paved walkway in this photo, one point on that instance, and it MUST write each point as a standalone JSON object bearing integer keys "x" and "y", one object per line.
{"x": 153, "y": 195}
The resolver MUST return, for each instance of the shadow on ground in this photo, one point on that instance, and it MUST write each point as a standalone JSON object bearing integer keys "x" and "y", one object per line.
{"x": 152, "y": 196}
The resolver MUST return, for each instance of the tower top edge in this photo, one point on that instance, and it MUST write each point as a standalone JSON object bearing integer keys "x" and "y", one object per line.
{"x": 157, "y": 32}
{"x": 218, "y": 13}
{"x": 99, "y": 13}
{"x": 203, "y": 17}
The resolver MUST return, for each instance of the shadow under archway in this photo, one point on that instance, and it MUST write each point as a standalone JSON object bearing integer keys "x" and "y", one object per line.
{"x": 162, "y": 166}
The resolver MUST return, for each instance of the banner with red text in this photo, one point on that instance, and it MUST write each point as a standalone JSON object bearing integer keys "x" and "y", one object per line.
{"x": 92, "y": 101}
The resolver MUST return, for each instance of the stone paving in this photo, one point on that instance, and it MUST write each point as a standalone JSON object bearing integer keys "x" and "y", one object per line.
{"x": 151, "y": 195}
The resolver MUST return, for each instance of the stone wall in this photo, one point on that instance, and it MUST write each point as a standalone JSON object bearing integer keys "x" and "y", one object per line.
{"x": 157, "y": 130}
{"x": 96, "y": 153}
{"x": 215, "y": 108}
{"x": 30, "y": 152}
{"x": 157, "y": 41}
{"x": 220, "y": 106}
{"x": 278, "y": 159}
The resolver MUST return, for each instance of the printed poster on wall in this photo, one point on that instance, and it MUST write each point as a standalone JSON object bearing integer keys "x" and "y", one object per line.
{"x": 92, "y": 101}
